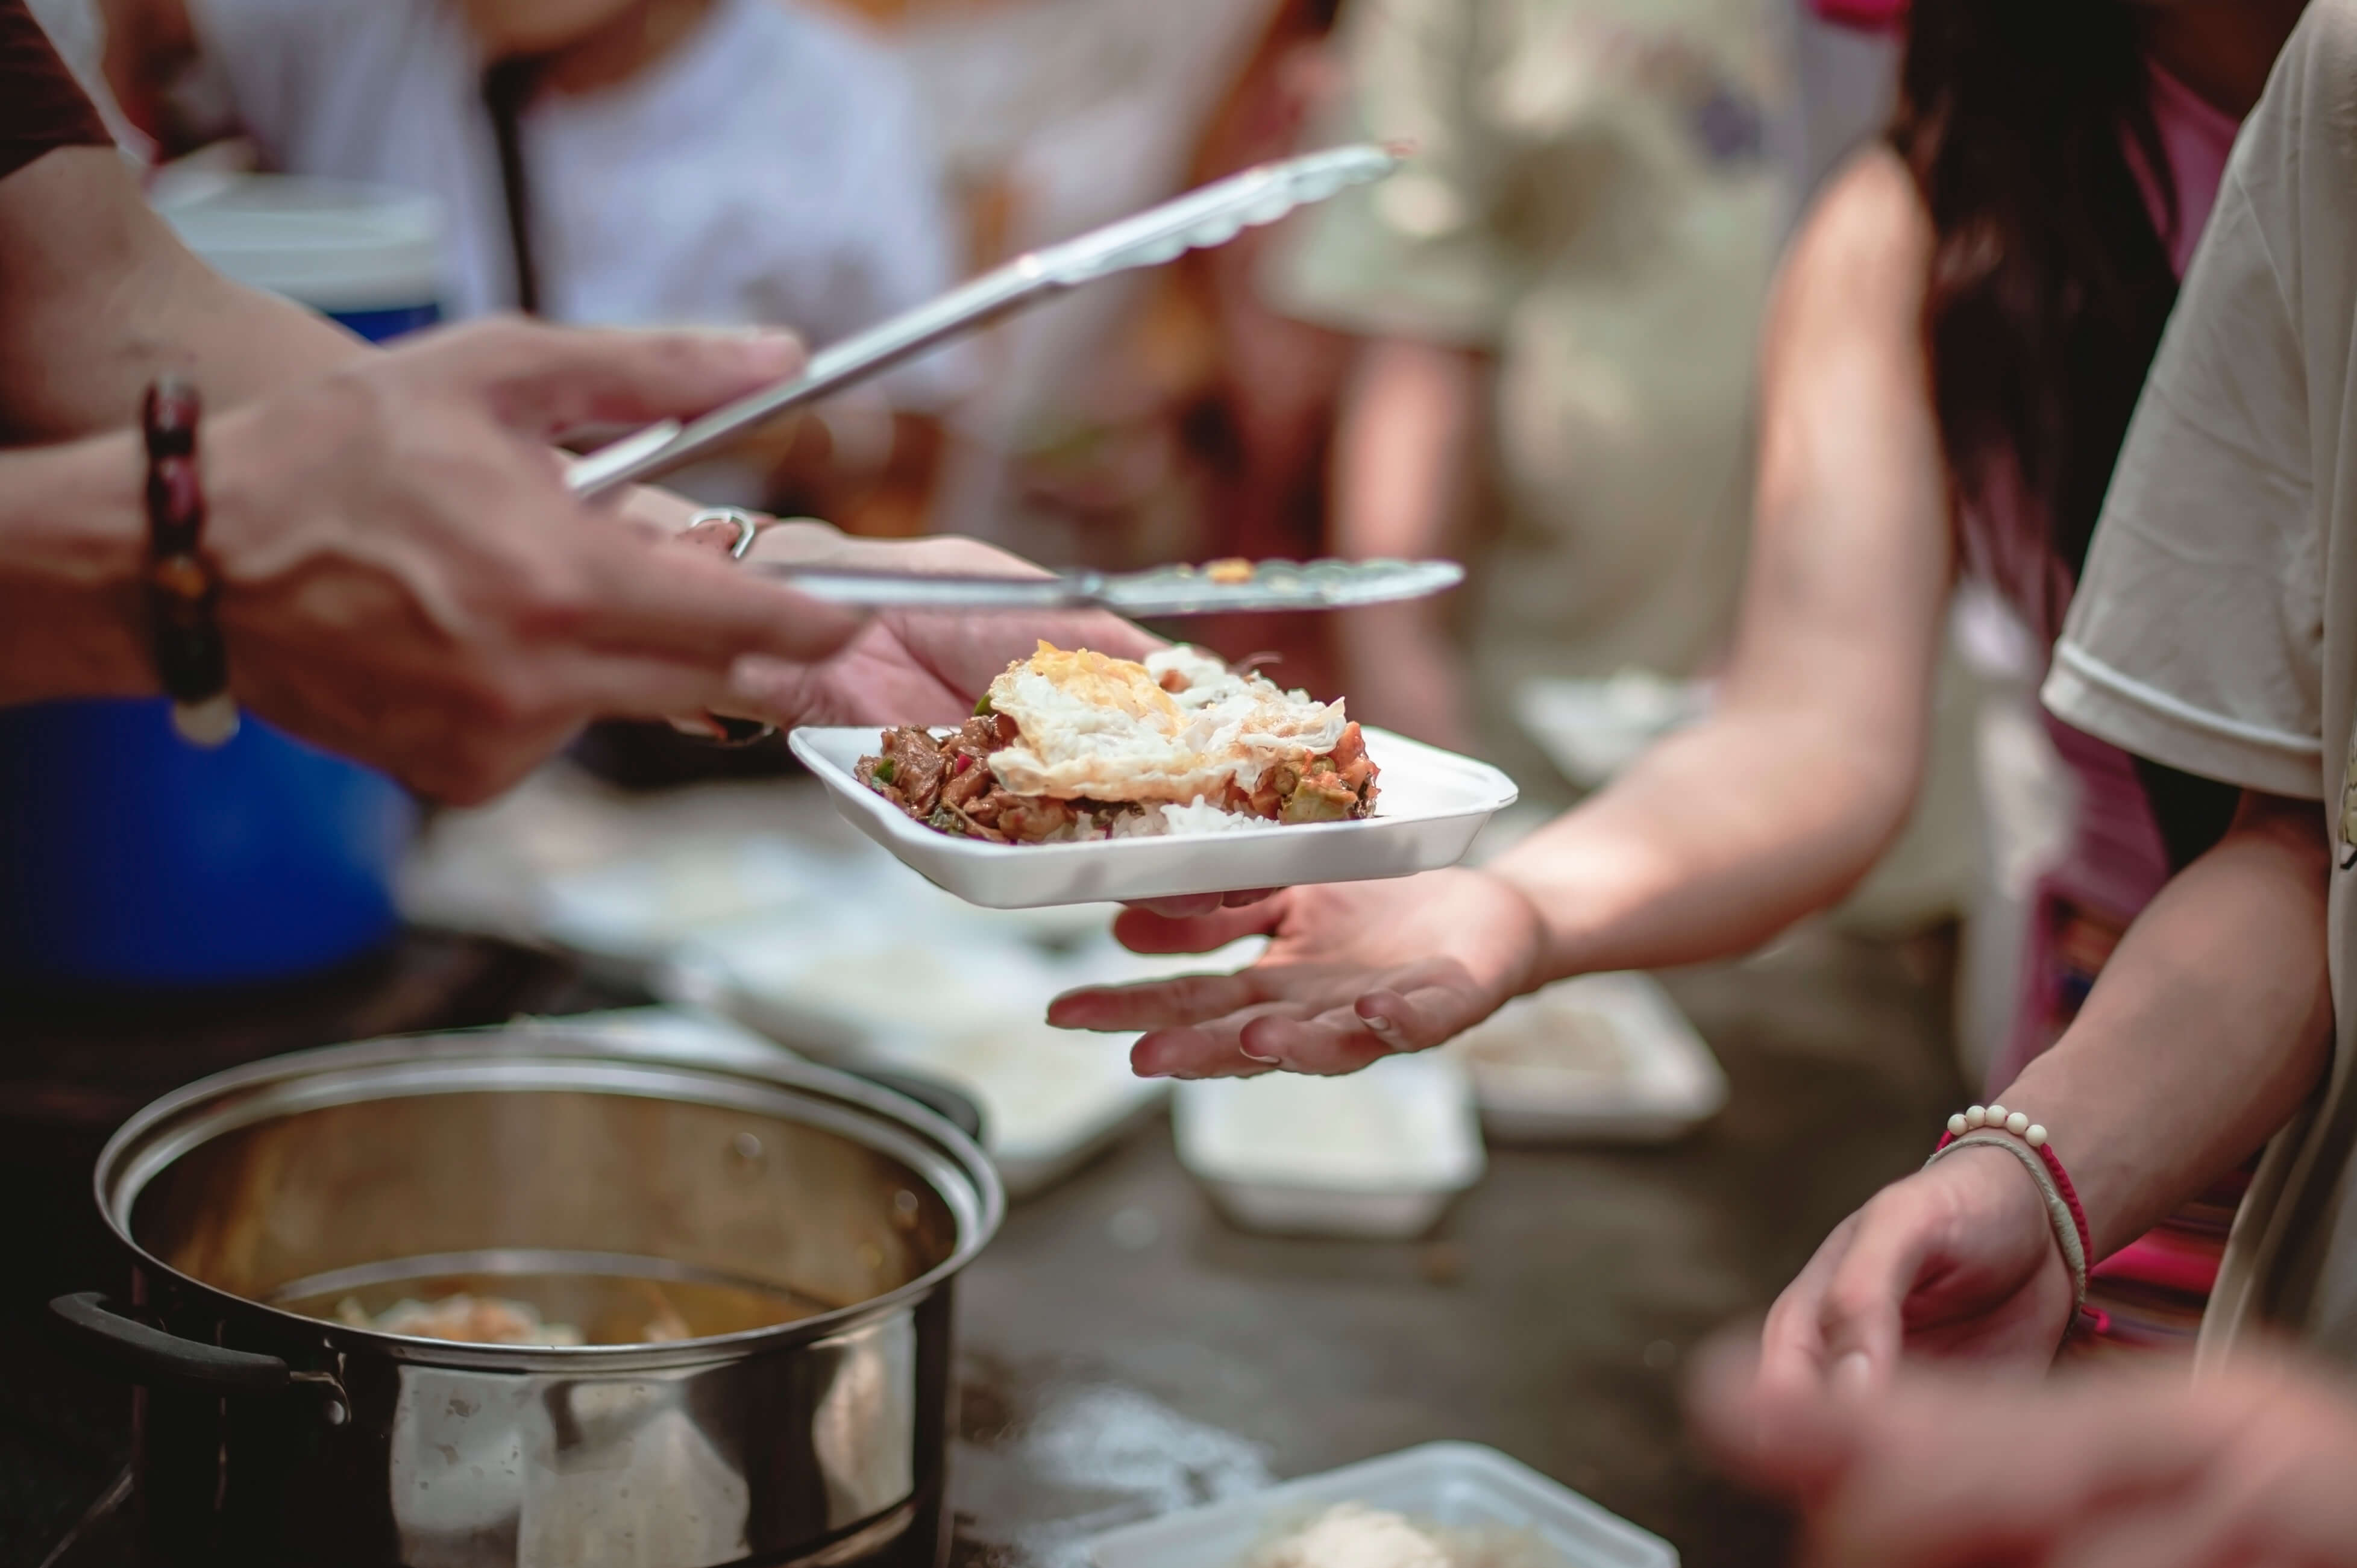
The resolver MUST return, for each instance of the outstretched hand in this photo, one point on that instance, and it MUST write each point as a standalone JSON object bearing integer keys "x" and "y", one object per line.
{"x": 2126, "y": 1469}
{"x": 1354, "y": 971}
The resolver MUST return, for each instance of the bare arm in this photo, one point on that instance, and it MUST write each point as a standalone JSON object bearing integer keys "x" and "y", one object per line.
{"x": 1783, "y": 797}
{"x": 2212, "y": 1022}
{"x": 101, "y": 298}
{"x": 1719, "y": 836}
{"x": 1409, "y": 420}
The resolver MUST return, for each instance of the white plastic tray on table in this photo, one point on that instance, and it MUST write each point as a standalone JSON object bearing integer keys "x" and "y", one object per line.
{"x": 1433, "y": 804}
{"x": 1374, "y": 1155}
{"x": 1461, "y": 1486}
{"x": 1602, "y": 1059}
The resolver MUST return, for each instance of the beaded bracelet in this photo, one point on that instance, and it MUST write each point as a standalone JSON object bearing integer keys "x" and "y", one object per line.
{"x": 183, "y": 587}
{"x": 1995, "y": 1127}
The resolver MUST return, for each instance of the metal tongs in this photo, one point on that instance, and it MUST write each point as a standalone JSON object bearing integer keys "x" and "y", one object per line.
{"x": 1211, "y": 216}
{"x": 1221, "y": 588}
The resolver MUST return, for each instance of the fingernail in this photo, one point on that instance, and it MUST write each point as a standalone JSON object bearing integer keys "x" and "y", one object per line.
{"x": 1252, "y": 1055}
{"x": 1851, "y": 1377}
{"x": 1379, "y": 1024}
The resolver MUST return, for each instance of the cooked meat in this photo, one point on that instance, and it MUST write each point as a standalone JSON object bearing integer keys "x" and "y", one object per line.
{"x": 970, "y": 779}
{"x": 949, "y": 781}
{"x": 913, "y": 764}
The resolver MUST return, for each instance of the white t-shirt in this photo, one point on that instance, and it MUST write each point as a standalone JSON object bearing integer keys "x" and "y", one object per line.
{"x": 774, "y": 168}
{"x": 2215, "y": 628}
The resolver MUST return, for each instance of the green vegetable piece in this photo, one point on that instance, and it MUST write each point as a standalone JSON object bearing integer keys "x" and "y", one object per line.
{"x": 886, "y": 771}
{"x": 982, "y": 710}
{"x": 1313, "y": 805}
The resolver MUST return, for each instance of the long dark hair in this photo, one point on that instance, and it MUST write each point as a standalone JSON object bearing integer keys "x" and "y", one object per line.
{"x": 2048, "y": 284}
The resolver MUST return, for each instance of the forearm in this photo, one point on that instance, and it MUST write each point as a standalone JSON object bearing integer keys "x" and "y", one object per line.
{"x": 102, "y": 298}
{"x": 70, "y": 543}
{"x": 1716, "y": 839}
{"x": 2209, "y": 1026}
{"x": 1402, "y": 461}
{"x": 1401, "y": 449}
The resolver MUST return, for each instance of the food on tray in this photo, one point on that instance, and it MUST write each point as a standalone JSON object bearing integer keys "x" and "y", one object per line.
{"x": 1070, "y": 746}
{"x": 494, "y": 1320}
{"x": 467, "y": 1319}
{"x": 1351, "y": 1535}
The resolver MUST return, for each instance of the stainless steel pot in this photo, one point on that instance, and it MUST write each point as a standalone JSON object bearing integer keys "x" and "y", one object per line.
{"x": 803, "y": 1227}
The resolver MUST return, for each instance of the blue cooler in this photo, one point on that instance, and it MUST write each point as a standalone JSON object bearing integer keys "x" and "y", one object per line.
{"x": 128, "y": 857}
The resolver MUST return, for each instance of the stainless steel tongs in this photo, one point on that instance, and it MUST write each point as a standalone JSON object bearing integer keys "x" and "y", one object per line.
{"x": 1211, "y": 216}
{"x": 1165, "y": 591}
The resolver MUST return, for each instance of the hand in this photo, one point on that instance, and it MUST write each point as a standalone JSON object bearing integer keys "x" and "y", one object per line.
{"x": 1957, "y": 1261}
{"x": 407, "y": 582}
{"x": 1353, "y": 972}
{"x": 2136, "y": 1469}
{"x": 908, "y": 667}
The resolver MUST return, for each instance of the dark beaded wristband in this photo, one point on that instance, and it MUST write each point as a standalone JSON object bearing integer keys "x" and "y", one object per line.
{"x": 183, "y": 587}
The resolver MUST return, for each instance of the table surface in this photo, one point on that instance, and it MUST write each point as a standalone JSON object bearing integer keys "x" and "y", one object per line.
{"x": 1124, "y": 1352}
{"x": 1128, "y": 1351}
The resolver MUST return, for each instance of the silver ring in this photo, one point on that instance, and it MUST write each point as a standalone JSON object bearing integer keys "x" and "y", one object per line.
{"x": 748, "y": 527}
{"x": 733, "y": 731}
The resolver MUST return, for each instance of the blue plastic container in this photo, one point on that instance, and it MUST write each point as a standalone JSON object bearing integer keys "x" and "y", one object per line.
{"x": 130, "y": 858}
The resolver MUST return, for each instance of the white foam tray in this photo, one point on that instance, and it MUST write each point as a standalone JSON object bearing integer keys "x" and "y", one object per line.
{"x": 1665, "y": 1085}
{"x": 1460, "y": 1485}
{"x": 1432, "y": 805}
{"x": 1376, "y": 1154}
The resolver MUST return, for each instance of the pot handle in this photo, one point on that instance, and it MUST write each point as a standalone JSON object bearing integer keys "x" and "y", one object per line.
{"x": 145, "y": 1355}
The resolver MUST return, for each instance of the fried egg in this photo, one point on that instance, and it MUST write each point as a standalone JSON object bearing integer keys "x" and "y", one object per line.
{"x": 1180, "y": 727}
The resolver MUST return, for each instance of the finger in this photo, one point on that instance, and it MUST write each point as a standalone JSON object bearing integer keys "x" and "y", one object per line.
{"x": 1941, "y": 1449}
{"x": 1194, "y": 905}
{"x": 545, "y": 380}
{"x": 1214, "y": 1049}
{"x": 1415, "y": 1017}
{"x": 2197, "y": 1528}
{"x": 683, "y": 603}
{"x": 1335, "y": 1042}
{"x": 1862, "y": 1313}
{"x": 1146, "y": 929}
{"x": 1787, "y": 1441}
{"x": 1792, "y": 1341}
{"x": 1158, "y": 1003}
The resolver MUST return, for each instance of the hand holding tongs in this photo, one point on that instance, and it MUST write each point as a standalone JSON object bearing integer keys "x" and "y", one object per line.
{"x": 1211, "y": 216}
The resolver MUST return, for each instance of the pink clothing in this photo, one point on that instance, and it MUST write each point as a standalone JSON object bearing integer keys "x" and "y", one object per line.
{"x": 1867, "y": 16}
{"x": 2197, "y": 137}
{"x": 2117, "y": 860}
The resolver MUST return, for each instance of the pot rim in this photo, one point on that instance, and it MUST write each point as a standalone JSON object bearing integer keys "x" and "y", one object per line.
{"x": 546, "y": 1055}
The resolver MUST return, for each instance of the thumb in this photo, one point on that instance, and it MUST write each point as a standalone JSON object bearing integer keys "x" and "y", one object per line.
{"x": 543, "y": 382}
{"x": 1863, "y": 1316}
{"x": 1145, "y": 928}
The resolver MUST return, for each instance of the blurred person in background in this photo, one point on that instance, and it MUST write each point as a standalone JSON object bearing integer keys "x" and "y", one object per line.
{"x": 1561, "y": 296}
{"x": 1957, "y": 340}
{"x": 1214, "y": 414}
{"x": 612, "y": 162}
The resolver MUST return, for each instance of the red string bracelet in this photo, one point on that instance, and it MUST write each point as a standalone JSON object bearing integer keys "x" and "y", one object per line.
{"x": 2028, "y": 1141}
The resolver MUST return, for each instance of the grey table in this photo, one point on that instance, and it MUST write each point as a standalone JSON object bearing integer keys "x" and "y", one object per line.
{"x": 1125, "y": 1351}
